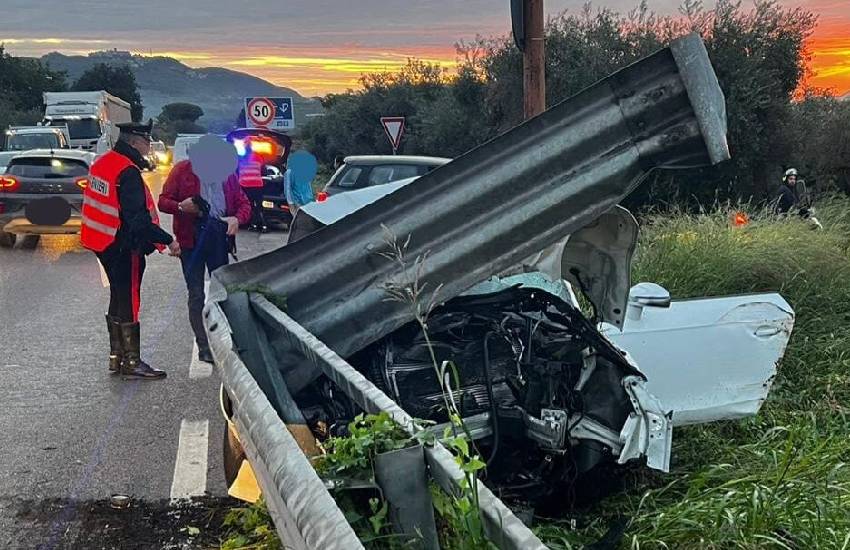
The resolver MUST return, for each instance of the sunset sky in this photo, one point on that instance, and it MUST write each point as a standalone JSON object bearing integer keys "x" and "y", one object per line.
{"x": 321, "y": 46}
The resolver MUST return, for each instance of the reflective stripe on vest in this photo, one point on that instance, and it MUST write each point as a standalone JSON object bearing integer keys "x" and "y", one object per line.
{"x": 250, "y": 174}
{"x": 105, "y": 208}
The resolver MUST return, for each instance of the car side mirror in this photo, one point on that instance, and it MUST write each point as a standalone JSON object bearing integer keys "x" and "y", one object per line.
{"x": 646, "y": 295}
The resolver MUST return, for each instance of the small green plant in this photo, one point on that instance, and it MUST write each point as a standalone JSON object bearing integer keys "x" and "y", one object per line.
{"x": 250, "y": 527}
{"x": 354, "y": 454}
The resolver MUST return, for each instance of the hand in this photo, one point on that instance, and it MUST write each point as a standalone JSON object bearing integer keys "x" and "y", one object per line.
{"x": 232, "y": 225}
{"x": 174, "y": 248}
{"x": 188, "y": 206}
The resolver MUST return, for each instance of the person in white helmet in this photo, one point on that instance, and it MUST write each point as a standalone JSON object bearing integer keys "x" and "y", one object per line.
{"x": 788, "y": 196}
{"x": 792, "y": 195}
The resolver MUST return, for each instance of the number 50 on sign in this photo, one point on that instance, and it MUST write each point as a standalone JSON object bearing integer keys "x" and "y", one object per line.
{"x": 274, "y": 113}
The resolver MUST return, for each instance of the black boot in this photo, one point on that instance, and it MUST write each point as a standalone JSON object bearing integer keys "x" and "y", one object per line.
{"x": 205, "y": 355}
{"x": 116, "y": 347}
{"x": 133, "y": 368}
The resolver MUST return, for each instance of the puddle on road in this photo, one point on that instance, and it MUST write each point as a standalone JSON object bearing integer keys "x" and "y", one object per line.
{"x": 97, "y": 524}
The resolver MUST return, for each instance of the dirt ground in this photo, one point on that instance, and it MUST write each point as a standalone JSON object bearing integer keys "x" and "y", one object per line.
{"x": 66, "y": 525}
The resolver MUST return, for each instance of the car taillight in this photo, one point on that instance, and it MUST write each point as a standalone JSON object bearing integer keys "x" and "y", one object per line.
{"x": 261, "y": 147}
{"x": 9, "y": 184}
{"x": 321, "y": 196}
{"x": 82, "y": 182}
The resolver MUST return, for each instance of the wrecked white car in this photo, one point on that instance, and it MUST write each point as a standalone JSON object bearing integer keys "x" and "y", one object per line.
{"x": 550, "y": 393}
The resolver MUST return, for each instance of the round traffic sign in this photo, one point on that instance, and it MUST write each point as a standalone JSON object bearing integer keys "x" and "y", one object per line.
{"x": 261, "y": 111}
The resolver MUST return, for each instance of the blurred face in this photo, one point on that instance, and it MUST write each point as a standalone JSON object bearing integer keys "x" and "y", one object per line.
{"x": 791, "y": 180}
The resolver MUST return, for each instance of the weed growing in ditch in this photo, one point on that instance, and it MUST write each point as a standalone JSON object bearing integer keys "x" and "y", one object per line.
{"x": 352, "y": 457}
{"x": 250, "y": 527}
{"x": 354, "y": 454}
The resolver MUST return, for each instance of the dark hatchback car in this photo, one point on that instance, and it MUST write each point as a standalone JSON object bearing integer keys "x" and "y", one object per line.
{"x": 41, "y": 192}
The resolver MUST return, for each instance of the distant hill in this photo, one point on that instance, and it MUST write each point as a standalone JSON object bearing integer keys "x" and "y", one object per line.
{"x": 162, "y": 80}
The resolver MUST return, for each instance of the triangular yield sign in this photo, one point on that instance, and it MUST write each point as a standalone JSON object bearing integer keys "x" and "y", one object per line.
{"x": 394, "y": 128}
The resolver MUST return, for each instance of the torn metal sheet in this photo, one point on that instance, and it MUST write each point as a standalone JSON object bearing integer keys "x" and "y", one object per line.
{"x": 709, "y": 359}
{"x": 554, "y": 174}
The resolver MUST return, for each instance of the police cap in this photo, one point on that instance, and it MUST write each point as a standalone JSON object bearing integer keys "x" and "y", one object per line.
{"x": 137, "y": 129}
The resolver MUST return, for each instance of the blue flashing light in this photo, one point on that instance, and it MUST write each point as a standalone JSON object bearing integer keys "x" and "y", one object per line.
{"x": 240, "y": 147}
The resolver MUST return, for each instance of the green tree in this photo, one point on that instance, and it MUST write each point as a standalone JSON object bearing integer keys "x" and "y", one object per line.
{"x": 181, "y": 111}
{"x": 22, "y": 83}
{"x": 178, "y": 118}
{"x": 442, "y": 111}
{"x": 818, "y": 132}
{"x": 118, "y": 81}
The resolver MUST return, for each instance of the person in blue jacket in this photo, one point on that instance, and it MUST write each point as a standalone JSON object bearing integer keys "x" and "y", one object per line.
{"x": 300, "y": 170}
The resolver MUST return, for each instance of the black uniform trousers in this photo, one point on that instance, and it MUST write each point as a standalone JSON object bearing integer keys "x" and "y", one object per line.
{"x": 124, "y": 270}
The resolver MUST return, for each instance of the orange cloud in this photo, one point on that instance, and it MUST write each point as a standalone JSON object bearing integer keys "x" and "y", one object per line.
{"x": 316, "y": 71}
{"x": 831, "y": 62}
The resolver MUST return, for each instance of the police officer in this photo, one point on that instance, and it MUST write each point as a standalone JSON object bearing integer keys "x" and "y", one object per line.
{"x": 121, "y": 225}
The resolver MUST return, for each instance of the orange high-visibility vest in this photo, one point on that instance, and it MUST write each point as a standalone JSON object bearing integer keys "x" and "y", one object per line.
{"x": 101, "y": 208}
{"x": 250, "y": 173}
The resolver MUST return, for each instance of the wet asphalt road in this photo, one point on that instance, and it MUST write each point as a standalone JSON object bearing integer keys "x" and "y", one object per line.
{"x": 70, "y": 430}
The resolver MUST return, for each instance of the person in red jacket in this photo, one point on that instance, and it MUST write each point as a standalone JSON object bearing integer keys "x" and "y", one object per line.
{"x": 205, "y": 215}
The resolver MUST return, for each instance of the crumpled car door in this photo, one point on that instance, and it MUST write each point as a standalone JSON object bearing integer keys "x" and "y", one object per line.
{"x": 705, "y": 359}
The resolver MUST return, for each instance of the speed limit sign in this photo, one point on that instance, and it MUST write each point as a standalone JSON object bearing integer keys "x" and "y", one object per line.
{"x": 272, "y": 113}
{"x": 260, "y": 111}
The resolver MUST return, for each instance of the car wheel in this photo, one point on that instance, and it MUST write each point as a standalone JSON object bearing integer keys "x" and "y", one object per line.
{"x": 233, "y": 455}
{"x": 7, "y": 240}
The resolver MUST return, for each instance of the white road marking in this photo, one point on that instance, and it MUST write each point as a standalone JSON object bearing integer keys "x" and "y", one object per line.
{"x": 197, "y": 368}
{"x": 190, "y": 469}
{"x": 103, "y": 278}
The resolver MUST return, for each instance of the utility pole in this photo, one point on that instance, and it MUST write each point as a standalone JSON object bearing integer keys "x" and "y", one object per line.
{"x": 527, "y": 28}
